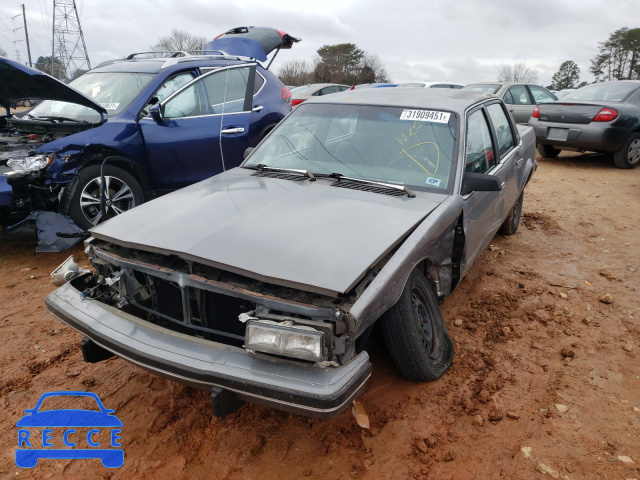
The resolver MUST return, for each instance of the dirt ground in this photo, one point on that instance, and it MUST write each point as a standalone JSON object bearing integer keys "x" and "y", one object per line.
{"x": 545, "y": 381}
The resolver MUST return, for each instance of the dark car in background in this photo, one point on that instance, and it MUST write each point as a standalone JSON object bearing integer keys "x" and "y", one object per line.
{"x": 148, "y": 124}
{"x": 360, "y": 208}
{"x": 601, "y": 117}
{"x": 521, "y": 98}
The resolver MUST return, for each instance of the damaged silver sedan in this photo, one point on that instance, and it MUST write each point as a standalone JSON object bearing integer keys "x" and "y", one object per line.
{"x": 262, "y": 284}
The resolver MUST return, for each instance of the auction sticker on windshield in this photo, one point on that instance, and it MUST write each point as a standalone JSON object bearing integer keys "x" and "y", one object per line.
{"x": 425, "y": 116}
{"x": 110, "y": 106}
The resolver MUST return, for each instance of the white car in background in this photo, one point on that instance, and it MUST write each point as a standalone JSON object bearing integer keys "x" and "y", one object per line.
{"x": 432, "y": 85}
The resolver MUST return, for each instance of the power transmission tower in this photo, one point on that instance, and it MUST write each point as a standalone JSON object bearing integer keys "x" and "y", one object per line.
{"x": 68, "y": 41}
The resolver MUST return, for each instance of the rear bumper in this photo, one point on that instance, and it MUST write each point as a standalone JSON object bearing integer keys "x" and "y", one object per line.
{"x": 282, "y": 384}
{"x": 598, "y": 137}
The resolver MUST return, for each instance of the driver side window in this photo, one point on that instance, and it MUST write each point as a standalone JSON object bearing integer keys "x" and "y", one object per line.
{"x": 167, "y": 88}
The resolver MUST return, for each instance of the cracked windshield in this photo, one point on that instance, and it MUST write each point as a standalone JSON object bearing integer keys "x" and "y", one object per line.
{"x": 412, "y": 147}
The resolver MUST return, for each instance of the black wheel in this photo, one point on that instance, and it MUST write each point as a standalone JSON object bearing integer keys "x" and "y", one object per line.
{"x": 547, "y": 151}
{"x": 510, "y": 225}
{"x": 123, "y": 192}
{"x": 415, "y": 334}
{"x": 629, "y": 155}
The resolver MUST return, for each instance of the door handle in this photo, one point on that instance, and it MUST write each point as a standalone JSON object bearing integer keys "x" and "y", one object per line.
{"x": 257, "y": 108}
{"x": 519, "y": 161}
{"x": 233, "y": 130}
{"x": 503, "y": 184}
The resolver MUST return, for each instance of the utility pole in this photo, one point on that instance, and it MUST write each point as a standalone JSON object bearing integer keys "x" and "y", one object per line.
{"x": 68, "y": 44}
{"x": 26, "y": 34}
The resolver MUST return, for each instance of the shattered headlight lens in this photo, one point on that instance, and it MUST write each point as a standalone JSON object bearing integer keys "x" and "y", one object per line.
{"x": 25, "y": 165}
{"x": 304, "y": 343}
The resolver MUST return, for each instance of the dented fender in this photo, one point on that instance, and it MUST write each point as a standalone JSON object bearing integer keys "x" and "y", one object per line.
{"x": 431, "y": 242}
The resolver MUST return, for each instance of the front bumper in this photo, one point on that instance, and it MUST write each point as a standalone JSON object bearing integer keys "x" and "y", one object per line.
{"x": 282, "y": 384}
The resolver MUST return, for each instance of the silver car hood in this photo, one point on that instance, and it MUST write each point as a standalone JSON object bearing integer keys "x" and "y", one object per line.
{"x": 307, "y": 235}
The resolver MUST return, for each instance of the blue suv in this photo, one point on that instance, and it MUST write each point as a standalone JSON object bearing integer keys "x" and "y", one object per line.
{"x": 141, "y": 126}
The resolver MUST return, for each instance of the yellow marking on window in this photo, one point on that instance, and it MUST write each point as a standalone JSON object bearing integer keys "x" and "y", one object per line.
{"x": 412, "y": 131}
{"x": 419, "y": 164}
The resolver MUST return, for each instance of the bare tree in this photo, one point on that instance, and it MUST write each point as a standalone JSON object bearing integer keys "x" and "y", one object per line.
{"x": 296, "y": 72}
{"x": 180, "y": 40}
{"x": 373, "y": 62}
{"x": 517, "y": 73}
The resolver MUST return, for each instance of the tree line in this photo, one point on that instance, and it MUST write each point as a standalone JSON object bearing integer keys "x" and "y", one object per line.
{"x": 343, "y": 63}
{"x": 618, "y": 58}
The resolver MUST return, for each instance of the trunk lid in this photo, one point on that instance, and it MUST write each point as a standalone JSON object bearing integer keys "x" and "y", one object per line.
{"x": 254, "y": 42}
{"x": 565, "y": 112}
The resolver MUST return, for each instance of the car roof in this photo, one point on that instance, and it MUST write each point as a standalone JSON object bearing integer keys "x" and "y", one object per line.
{"x": 455, "y": 100}
{"x": 155, "y": 65}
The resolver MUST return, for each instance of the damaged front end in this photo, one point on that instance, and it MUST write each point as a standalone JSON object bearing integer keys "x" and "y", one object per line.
{"x": 216, "y": 330}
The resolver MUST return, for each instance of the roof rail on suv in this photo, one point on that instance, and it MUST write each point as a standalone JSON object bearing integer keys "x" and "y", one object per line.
{"x": 178, "y": 53}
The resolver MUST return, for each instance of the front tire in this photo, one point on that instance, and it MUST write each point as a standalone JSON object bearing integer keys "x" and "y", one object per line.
{"x": 547, "y": 151}
{"x": 415, "y": 333}
{"x": 123, "y": 193}
{"x": 629, "y": 155}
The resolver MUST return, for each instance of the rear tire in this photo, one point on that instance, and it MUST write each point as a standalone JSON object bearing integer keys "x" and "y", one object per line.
{"x": 83, "y": 205}
{"x": 629, "y": 155}
{"x": 547, "y": 151}
{"x": 415, "y": 333}
{"x": 511, "y": 223}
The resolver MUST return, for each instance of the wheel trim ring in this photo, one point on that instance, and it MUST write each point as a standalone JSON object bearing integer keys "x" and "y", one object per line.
{"x": 92, "y": 189}
{"x": 426, "y": 325}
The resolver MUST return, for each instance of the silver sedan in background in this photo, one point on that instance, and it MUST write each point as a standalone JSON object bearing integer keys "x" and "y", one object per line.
{"x": 521, "y": 98}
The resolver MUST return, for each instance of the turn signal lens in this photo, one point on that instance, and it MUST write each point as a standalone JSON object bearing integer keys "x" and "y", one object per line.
{"x": 296, "y": 101}
{"x": 606, "y": 115}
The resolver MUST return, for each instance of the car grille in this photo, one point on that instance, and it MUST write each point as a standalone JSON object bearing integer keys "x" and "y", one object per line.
{"x": 193, "y": 311}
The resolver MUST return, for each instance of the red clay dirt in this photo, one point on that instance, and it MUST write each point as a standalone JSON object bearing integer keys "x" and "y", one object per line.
{"x": 545, "y": 380}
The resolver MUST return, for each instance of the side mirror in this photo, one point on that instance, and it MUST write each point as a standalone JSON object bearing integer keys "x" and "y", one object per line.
{"x": 156, "y": 114}
{"x": 247, "y": 152}
{"x": 479, "y": 182}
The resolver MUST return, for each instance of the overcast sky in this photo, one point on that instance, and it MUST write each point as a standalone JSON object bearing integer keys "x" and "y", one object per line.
{"x": 461, "y": 41}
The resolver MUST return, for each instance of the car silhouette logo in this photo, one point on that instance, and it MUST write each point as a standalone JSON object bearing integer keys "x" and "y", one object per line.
{"x": 68, "y": 420}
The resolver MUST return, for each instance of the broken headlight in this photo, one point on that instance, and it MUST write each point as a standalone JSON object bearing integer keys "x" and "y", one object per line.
{"x": 23, "y": 166}
{"x": 301, "y": 342}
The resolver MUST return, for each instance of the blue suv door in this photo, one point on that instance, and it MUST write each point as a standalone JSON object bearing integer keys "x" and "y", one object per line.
{"x": 200, "y": 130}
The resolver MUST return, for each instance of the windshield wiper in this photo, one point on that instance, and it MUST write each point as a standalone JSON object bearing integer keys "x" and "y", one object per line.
{"x": 53, "y": 118}
{"x": 339, "y": 176}
{"x": 262, "y": 168}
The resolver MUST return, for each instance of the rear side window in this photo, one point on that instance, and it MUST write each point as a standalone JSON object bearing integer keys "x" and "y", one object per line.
{"x": 541, "y": 95}
{"x": 226, "y": 89}
{"x": 257, "y": 85}
{"x": 502, "y": 128}
{"x": 519, "y": 95}
{"x": 479, "y": 156}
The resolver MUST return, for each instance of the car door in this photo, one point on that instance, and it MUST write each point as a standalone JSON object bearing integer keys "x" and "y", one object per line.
{"x": 200, "y": 130}
{"x": 484, "y": 212}
{"x": 519, "y": 103}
